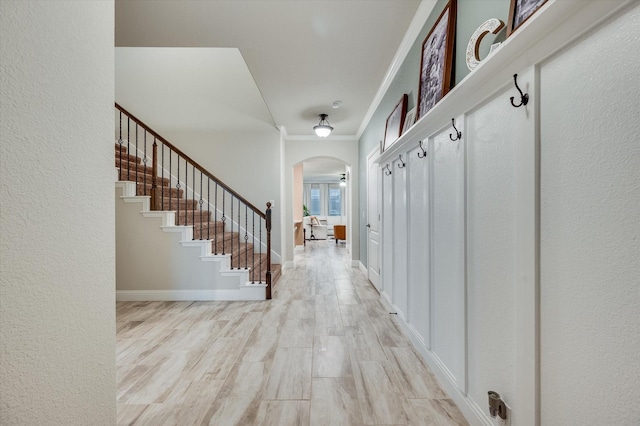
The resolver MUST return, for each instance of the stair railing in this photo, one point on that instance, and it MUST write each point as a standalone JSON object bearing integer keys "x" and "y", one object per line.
{"x": 212, "y": 209}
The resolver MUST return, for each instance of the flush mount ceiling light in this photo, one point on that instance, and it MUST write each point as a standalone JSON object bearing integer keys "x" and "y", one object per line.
{"x": 323, "y": 129}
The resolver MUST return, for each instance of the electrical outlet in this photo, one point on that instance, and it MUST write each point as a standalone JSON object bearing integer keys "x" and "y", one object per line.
{"x": 497, "y": 421}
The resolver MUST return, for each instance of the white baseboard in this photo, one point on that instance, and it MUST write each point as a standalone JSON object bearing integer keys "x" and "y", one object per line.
{"x": 469, "y": 408}
{"x": 363, "y": 269}
{"x": 249, "y": 292}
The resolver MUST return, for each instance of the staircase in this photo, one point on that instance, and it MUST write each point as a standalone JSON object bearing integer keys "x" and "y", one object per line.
{"x": 213, "y": 213}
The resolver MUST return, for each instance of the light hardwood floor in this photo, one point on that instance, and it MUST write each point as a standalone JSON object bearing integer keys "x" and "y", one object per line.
{"x": 322, "y": 352}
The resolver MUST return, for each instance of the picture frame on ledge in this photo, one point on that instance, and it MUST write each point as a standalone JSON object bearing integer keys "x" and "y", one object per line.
{"x": 395, "y": 123}
{"x": 520, "y": 11}
{"x": 436, "y": 63}
{"x": 409, "y": 119}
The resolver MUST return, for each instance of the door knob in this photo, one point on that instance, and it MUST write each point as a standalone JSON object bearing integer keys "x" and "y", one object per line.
{"x": 368, "y": 225}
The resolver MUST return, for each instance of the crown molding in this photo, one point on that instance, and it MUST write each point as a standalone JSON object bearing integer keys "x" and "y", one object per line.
{"x": 417, "y": 23}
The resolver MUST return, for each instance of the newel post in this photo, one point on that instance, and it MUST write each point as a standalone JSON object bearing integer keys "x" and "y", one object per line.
{"x": 268, "y": 223}
{"x": 154, "y": 177}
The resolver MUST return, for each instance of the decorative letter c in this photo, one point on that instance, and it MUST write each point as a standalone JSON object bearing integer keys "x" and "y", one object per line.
{"x": 493, "y": 26}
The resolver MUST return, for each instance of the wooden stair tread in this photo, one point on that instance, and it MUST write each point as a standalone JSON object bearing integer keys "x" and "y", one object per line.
{"x": 133, "y": 166}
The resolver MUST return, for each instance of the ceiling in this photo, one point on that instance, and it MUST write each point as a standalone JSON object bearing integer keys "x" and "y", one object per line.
{"x": 293, "y": 59}
{"x": 323, "y": 170}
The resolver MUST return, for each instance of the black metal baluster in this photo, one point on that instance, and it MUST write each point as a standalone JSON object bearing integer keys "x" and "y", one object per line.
{"x": 253, "y": 258}
{"x": 128, "y": 146}
{"x": 260, "y": 257}
{"x": 201, "y": 205}
{"x": 186, "y": 190}
{"x": 215, "y": 213}
{"x": 224, "y": 226}
{"x": 209, "y": 208}
{"x": 193, "y": 206}
{"x": 162, "y": 180}
{"x": 120, "y": 143}
{"x": 246, "y": 237}
{"x": 144, "y": 162}
{"x": 136, "y": 164}
{"x": 178, "y": 187}
{"x": 231, "y": 216}
{"x": 239, "y": 224}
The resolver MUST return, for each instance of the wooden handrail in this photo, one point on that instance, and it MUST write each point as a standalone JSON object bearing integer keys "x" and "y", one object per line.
{"x": 191, "y": 161}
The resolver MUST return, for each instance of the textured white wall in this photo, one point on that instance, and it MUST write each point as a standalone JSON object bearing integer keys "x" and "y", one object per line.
{"x": 590, "y": 229}
{"x": 57, "y": 217}
{"x": 249, "y": 162}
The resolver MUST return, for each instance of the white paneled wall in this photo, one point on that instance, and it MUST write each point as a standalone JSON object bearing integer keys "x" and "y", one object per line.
{"x": 447, "y": 259}
{"x": 387, "y": 237}
{"x": 449, "y": 253}
{"x": 511, "y": 255}
{"x": 418, "y": 220}
{"x": 399, "y": 297}
{"x": 491, "y": 246}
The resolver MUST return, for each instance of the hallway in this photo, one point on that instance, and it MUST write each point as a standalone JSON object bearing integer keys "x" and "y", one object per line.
{"x": 324, "y": 352}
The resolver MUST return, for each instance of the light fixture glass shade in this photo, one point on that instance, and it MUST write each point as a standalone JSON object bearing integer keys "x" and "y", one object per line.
{"x": 323, "y": 129}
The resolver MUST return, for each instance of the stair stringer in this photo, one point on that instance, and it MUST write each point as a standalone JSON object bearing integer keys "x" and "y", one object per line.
{"x": 169, "y": 265}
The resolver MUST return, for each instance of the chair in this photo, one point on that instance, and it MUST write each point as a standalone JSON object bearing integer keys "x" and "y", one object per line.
{"x": 314, "y": 230}
{"x": 340, "y": 232}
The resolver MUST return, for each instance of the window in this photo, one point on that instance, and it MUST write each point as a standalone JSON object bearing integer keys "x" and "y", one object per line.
{"x": 335, "y": 201}
{"x": 315, "y": 206}
{"x": 324, "y": 199}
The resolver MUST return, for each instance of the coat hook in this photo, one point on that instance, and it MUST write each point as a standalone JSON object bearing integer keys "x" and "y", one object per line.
{"x": 458, "y": 132}
{"x": 401, "y": 162}
{"x": 388, "y": 170}
{"x": 524, "y": 97}
{"x": 424, "y": 152}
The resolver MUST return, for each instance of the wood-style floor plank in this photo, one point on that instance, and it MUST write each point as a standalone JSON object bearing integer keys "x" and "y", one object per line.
{"x": 323, "y": 351}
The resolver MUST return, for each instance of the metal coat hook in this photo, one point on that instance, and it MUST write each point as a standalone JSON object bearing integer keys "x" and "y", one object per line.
{"x": 524, "y": 97}
{"x": 387, "y": 170}
{"x": 424, "y": 152}
{"x": 458, "y": 132}
{"x": 401, "y": 162}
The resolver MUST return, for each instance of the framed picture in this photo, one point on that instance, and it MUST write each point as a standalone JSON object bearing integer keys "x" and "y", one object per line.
{"x": 409, "y": 119}
{"x": 395, "y": 122}
{"x": 520, "y": 11}
{"x": 437, "y": 60}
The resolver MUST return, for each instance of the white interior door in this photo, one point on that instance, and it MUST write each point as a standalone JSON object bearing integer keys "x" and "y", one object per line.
{"x": 373, "y": 218}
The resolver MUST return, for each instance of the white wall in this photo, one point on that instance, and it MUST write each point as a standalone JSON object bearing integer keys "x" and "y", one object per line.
{"x": 57, "y": 249}
{"x": 249, "y": 162}
{"x": 152, "y": 264}
{"x": 297, "y": 151}
{"x": 590, "y": 229}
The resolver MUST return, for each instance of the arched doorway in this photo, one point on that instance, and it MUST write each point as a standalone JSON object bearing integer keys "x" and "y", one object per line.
{"x": 321, "y": 198}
